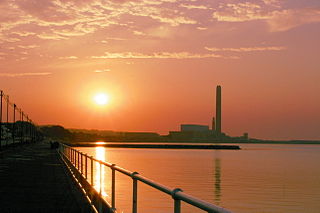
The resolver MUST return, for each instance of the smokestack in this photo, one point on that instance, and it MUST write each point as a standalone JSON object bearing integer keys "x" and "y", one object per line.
{"x": 213, "y": 124}
{"x": 218, "y": 110}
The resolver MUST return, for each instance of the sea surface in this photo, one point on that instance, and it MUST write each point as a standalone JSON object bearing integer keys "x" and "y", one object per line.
{"x": 259, "y": 178}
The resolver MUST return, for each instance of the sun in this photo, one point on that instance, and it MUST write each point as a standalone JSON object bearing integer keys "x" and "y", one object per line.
{"x": 101, "y": 99}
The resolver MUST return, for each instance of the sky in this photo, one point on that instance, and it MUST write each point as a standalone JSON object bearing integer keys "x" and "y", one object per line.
{"x": 160, "y": 61}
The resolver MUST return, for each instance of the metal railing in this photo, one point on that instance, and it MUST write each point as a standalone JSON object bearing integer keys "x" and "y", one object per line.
{"x": 15, "y": 124}
{"x": 79, "y": 163}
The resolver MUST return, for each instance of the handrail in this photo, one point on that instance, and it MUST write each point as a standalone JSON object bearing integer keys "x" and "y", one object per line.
{"x": 75, "y": 158}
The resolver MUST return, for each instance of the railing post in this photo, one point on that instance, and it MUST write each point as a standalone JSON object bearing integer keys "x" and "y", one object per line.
{"x": 78, "y": 156}
{"x": 14, "y": 123}
{"x": 81, "y": 162}
{"x": 7, "y": 140}
{"x": 74, "y": 158}
{"x": 134, "y": 192}
{"x": 100, "y": 179}
{"x": 86, "y": 166}
{"x": 113, "y": 187}
{"x": 177, "y": 202}
{"x": 177, "y": 206}
{"x": 91, "y": 174}
{"x": 71, "y": 155}
{"x": 20, "y": 128}
{"x": 100, "y": 187}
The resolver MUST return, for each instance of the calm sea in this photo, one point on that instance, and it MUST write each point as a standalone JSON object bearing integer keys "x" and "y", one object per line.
{"x": 260, "y": 178}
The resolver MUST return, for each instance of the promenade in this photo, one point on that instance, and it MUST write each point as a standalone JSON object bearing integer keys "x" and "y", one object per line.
{"x": 33, "y": 179}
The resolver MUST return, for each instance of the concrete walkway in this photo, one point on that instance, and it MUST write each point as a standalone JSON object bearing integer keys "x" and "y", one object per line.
{"x": 33, "y": 179}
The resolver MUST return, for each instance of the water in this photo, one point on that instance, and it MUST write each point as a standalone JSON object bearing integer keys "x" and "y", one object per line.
{"x": 264, "y": 178}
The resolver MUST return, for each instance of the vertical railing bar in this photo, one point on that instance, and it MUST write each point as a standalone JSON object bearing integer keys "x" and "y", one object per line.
{"x": 14, "y": 123}
{"x": 100, "y": 178}
{"x": 7, "y": 140}
{"x": 76, "y": 158}
{"x": 177, "y": 202}
{"x": 81, "y": 157}
{"x": 86, "y": 166}
{"x": 100, "y": 187}
{"x": 92, "y": 183}
{"x": 78, "y": 155}
{"x": 134, "y": 192}
{"x": 177, "y": 206}
{"x": 20, "y": 126}
{"x": 113, "y": 187}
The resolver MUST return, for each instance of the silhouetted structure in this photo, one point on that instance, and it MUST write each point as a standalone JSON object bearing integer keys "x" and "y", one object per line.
{"x": 194, "y": 127}
{"x": 218, "y": 110}
{"x": 213, "y": 124}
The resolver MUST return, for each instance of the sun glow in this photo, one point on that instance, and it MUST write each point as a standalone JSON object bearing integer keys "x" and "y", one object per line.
{"x": 101, "y": 99}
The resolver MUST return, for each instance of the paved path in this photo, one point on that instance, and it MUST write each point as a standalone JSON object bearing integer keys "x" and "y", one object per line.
{"x": 33, "y": 179}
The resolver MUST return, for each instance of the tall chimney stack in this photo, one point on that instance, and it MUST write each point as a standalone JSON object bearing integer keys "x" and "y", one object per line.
{"x": 213, "y": 124}
{"x": 218, "y": 110}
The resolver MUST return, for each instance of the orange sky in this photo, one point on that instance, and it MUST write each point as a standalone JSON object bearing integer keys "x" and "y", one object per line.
{"x": 160, "y": 62}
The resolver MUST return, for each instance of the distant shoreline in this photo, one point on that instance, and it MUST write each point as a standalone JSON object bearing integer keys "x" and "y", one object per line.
{"x": 160, "y": 146}
{"x": 298, "y": 142}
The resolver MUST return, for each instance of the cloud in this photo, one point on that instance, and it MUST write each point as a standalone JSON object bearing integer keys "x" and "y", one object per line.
{"x": 287, "y": 19}
{"x": 23, "y": 33}
{"x": 190, "y": 6}
{"x": 51, "y": 36}
{"x": 69, "y": 57}
{"x": 245, "y": 49}
{"x": 24, "y": 74}
{"x": 158, "y": 55}
{"x": 274, "y": 3}
{"x": 240, "y": 12}
{"x": 28, "y": 46}
{"x": 202, "y": 28}
{"x": 135, "y": 32}
{"x": 101, "y": 71}
{"x": 276, "y": 19}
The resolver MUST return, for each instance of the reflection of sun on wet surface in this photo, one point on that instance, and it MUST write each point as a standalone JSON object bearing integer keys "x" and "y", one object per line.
{"x": 99, "y": 182}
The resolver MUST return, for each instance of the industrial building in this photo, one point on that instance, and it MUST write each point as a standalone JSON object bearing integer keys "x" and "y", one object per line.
{"x": 202, "y": 132}
{"x": 193, "y": 127}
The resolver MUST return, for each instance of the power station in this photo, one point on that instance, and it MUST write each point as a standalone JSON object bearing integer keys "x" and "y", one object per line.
{"x": 195, "y": 132}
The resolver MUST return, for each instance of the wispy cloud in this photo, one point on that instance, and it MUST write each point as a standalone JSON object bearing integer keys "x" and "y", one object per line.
{"x": 287, "y": 19}
{"x": 202, "y": 28}
{"x": 277, "y": 19}
{"x": 69, "y": 57}
{"x": 191, "y": 6}
{"x": 101, "y": 71}
{"x": 158, "y": 55}
{"x": 24, "y": 74}
{"x": 28, "y": 46}
{"x": 240, "y": 12}
{"x": 51, "y": 36}
{"x": 23, "y": 33}
{"x": 245, "y": 49}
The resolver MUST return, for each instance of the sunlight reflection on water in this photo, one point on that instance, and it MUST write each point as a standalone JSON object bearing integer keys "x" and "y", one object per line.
{"x": 99, "y": 181}
{"x": 258, "y": 178}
